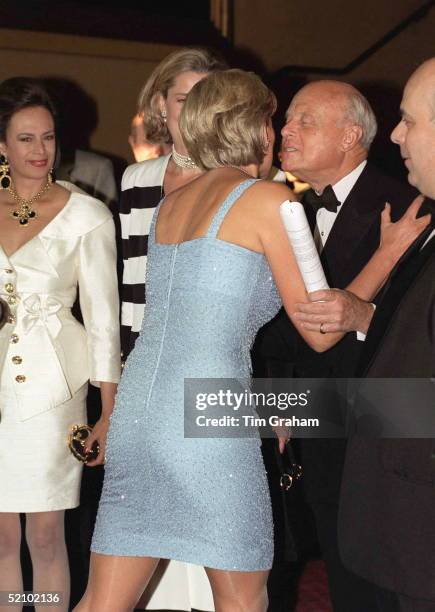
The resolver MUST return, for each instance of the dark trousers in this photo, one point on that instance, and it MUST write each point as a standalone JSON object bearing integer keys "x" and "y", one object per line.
{"x": 322, "y": 461}
{"x": 388, "y": 601}
{"x": 349, "y": 592}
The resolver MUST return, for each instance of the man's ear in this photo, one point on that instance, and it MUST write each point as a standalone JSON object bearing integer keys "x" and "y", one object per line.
{"x": 351, "y": 137}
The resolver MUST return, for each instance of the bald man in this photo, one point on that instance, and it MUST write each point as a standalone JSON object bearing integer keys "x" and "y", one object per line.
{"x": 387, "y": 527}
{"x": 325, "y": 142}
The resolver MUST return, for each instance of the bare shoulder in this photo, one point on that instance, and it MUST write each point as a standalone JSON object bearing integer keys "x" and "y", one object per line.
{"x": 274, "y": 190}
{"x": 269, "y": 195}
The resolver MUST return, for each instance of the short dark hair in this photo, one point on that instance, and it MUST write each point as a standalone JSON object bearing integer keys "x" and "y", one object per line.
{"x": 22, "y": 92}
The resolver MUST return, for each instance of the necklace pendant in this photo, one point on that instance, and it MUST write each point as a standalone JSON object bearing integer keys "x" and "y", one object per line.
{"x": 23, "y": 215}
{"x": 24, "y": 212}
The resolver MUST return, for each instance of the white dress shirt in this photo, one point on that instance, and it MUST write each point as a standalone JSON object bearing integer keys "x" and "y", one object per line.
{"x": 325, "y": 219}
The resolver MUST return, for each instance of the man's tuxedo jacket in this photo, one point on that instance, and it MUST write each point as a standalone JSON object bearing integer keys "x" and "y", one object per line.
{"x": 352, "y": 241}
{"x": 387, "y": 512}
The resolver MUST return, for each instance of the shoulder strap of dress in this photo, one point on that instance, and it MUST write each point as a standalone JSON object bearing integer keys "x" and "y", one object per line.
{"x": 226, "y": 205}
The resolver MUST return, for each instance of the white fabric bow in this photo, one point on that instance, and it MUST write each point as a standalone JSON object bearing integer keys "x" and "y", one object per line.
{"x": 42, "y": 309}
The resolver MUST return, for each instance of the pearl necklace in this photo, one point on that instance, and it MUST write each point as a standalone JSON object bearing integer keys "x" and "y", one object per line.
{"x": 184, "y": 161}
{"x": 24, "y": 212}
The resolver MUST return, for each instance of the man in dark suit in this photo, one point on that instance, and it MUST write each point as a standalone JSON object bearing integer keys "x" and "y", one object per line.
{"x": 386, "y": 525}
{"x": 325, "y": 142}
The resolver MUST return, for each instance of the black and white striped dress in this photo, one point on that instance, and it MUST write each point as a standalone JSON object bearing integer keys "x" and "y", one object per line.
{"x": 141, "y": 191}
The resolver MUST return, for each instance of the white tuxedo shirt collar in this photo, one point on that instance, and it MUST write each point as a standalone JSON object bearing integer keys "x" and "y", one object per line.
{"x": 345, "y": 185}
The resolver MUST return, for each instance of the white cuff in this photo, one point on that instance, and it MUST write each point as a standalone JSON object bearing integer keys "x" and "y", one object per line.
{"x": 360, "y": 336}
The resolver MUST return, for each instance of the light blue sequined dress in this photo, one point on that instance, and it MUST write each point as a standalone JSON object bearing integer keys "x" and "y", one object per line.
{"x": 203, "y": 501}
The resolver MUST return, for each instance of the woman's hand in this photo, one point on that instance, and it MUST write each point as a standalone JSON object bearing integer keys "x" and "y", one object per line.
{"x": 397, "y": 237}
{"x": 283, "y": 434}
{"x": 99, "y": 435}
{"x": 99, "y": 432}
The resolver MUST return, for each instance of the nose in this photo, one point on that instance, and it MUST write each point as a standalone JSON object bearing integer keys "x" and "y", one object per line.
{"x": 397, "y": 135}
{"x": 290, "y": 128}
{"x": 286, "y": 128}
{"x": 40, "y": 146}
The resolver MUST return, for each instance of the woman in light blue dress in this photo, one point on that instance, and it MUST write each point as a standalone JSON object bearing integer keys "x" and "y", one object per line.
{"x": 219, "y": 266}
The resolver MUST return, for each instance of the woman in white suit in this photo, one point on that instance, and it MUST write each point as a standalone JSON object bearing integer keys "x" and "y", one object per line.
{"x": 52, "y": 242}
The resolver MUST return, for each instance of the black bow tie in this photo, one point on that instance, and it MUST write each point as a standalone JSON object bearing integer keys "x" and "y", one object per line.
{"x": 327, "y": 200}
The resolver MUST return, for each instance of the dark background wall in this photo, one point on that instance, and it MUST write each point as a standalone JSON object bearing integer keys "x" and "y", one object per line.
{"x": 109, "y": 51}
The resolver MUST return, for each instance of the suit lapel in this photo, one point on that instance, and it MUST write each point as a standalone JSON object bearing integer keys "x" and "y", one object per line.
{"x": 311, "y": 215}
{"x": 401, "y": 281}
{"x": 355, "y": 218}
{"x": 348, "y": 231}
{"x": 4, "y": 260}
{"x": 427, "y": 207}
{"x": 346, "y": 234}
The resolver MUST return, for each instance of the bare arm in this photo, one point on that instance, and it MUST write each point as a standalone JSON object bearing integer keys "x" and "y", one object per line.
{"x": 395, "y": 239}
{"x": 344, "y": 311}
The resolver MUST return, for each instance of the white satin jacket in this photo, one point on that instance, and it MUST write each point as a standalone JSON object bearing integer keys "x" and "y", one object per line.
{"x": 49, "y": 355}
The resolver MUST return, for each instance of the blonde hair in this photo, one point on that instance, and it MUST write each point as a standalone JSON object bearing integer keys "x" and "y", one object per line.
{"x": 222, "y": 121}
{"x": 162, "y": 78}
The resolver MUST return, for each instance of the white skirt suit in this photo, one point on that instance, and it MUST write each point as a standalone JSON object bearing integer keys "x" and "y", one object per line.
{"x": 47, "y": 357}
